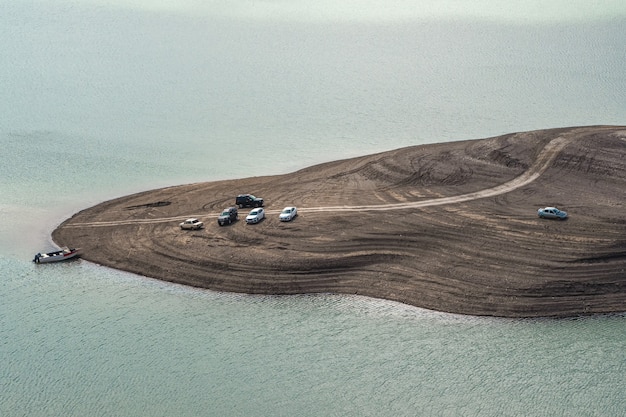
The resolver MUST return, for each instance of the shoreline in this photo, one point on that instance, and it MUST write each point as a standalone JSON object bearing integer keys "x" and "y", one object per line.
{"x": 449, "y": 227}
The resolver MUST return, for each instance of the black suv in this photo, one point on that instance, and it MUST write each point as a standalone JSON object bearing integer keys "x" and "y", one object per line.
{"x": 248, "y": 200}
{"x": 228, "y": 216}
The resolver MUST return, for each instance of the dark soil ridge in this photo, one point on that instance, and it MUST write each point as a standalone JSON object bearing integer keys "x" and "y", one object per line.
{"x": 488, "y": 256}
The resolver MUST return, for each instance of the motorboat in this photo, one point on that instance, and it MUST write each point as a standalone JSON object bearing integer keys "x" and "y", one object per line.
{"x": 60, "y": 255}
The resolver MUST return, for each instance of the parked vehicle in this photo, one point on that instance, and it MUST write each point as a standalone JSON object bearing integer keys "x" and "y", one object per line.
{"x": 192, "y": 224}
{"x": 288, "y": 214}
{"x": 60, "y": 255}
{"x": 248, "y": 200}
{"x": 255, "y": 215}
{"x": 228, "y": 216}
{"x": 551, "y": 213}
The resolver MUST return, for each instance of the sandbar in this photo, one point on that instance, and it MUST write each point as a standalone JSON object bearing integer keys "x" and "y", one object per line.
{"x": 448, "y": 226}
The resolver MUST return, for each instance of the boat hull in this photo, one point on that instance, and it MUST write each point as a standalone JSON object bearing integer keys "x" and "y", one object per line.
{"x": 57, "y": 256}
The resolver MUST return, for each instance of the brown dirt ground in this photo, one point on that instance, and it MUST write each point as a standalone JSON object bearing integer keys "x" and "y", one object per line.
{"x": 486, "y": 256}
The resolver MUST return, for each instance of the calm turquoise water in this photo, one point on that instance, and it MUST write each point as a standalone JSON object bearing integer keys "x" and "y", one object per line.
{"x": 105, "y": 98}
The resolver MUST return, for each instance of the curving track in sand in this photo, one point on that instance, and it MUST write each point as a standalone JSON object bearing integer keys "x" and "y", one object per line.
{"x": 549, "y": 152}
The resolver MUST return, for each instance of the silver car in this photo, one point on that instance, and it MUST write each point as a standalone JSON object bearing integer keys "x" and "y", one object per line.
{"x": 551, "y": 213}
{"x": 191, "y": 224}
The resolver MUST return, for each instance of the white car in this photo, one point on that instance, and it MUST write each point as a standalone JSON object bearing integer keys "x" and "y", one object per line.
{"x": 255, "y": 215}
{"x": 192, "y": 224}
{"x": 288, "y": 214}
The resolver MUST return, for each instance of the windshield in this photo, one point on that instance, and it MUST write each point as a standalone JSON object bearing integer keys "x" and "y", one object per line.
{"x": 225, "y": 213}
{"x": 286, "y": 211}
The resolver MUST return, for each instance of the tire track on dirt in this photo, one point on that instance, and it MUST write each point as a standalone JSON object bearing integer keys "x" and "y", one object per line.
{"x": 547, "y": 155}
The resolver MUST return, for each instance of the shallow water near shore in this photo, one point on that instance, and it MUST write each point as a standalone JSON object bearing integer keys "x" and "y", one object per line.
{"x": 104, "y": 99}
{"x": 92, "y": 341}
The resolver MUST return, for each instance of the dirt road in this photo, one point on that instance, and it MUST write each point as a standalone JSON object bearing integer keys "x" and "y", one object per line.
{"x": 541, "y": 164}
{"x": 449, "y": 226}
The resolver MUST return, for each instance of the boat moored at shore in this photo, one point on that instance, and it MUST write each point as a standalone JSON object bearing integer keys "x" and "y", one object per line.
{"x": 61, "y": 255}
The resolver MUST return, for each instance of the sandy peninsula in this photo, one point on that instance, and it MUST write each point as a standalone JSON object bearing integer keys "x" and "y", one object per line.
{"x": 450, "y": 227}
